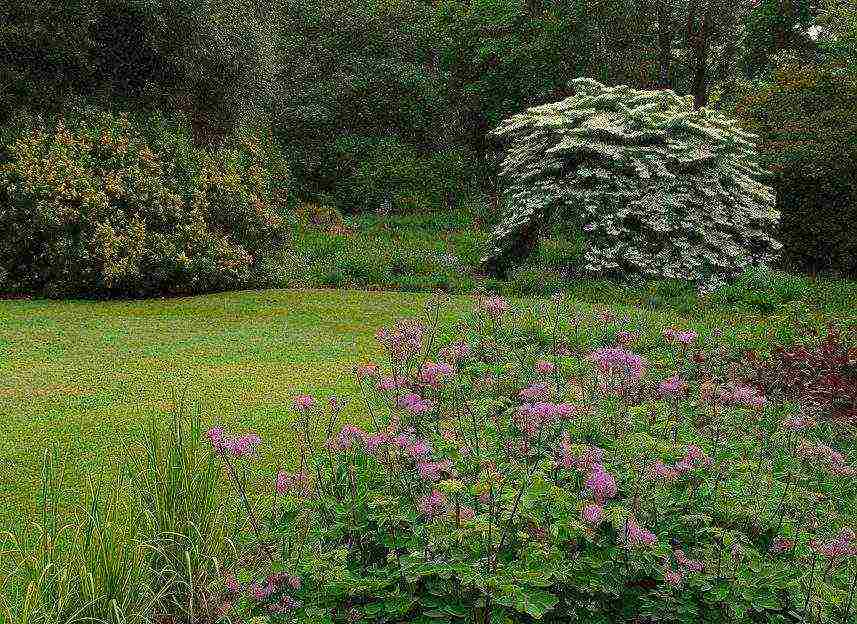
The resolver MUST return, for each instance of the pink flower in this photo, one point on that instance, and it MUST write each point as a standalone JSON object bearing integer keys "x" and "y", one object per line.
{"x": 261, "y": 592}
{"x": 494, "y": 306}
{"x": 432, "y": 505}
{"x": 593, "y": 514}
{"x": 432, "y": 374}
{"x": 694, "y": 458}
{"x": 535, "y": 392}
{"x": 243, "y": 446}
{"x": 684, "y": 337}
{"x": 466, "y": 513}
{"x": 839, "y": 546}
{"x": 367, "y": 369}
{"x": 600, "y": 484}
{"x": 688, "y": 564}
{"x": 543, "y": 367}
{"x": 638, "y": 536}
{"x": 431, "y": 471}
{"x": 414, "y": 403}
{"x": 404, "y": 340}
{"x": 798, "y": 422}
{"x": 672, "y": 385}
{"x": 231, "y": 583}
{"x": 455, "y": 352}
{"x": 833, "y": 461}
{"x": 391, "y": 383}
{"x": 348, "y": 436}
{"x": 673, "y": 577}
{"x": 304, "y": 402}
{"x": 660, "y": 470}
{"x": 291, "y": 482}
{"x": 781, "y": 544}
{"x": 215, "y": 436}
{"x": 617, "y": 360}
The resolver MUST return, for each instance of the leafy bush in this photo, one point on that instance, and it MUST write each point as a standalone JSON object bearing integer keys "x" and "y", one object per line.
{"x": 658, "y": 188}
{"x": 511, "y": 476}
{"x": 820, "y": 376}
{"x": 96, "y": 207}
{"x": 806, "y": 118}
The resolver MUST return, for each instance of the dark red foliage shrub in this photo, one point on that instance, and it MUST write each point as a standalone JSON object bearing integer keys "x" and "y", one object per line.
{"x": 822, "y": 375}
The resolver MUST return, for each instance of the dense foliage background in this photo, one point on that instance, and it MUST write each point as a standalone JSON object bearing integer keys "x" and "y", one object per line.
{"x": 385, "y": 105}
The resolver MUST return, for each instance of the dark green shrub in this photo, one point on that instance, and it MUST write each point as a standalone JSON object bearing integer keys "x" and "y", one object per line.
{"x": 806, "y": 117}
{"x": 93, "y": 206}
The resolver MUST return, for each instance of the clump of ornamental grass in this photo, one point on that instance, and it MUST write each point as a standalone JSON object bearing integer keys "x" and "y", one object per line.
{"x": 178, "y": 488}
{"x": 90, "y": 569}
{"x": 510, "y": 479}
{"x": 144, "y": 548}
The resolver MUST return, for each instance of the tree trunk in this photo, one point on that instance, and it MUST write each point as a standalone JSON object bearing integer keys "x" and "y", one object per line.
{"x": 698, "y": 40}
{"x": 665, "y": 42}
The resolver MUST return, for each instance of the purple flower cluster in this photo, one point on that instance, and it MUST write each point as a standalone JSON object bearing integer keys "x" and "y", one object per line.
{"x": 799, "y": 422}
{"x": 781, "y": 544}
{"x": 530, "y": 417}
{"x": 404, "y": 340}
{"x": 432, "y": 471}
{"x": 304, "y": 402}
{"x": 600, "y": 483}
{"x": 692, "y": 565}
{"x": 432, "y": 374}
{"x": 841, "y": 545}
{"x": 618, "y": 360}
{"x": 494, "y": 306}
{"x": 693, "y": 458}
{"x": 832, "y": 460}
{"x": 593, "y": 514}
{"x": 414, "y": 403}
{"x": 291, "y": 482}
{"x": 589, "y": 457}
{"x": 637, "y": 536}
{"x": 662, "y": 471}
{"x": 537, "y": 392}
{"x": 455, "y": 353}
{"x": 683, "y": 337}
{"x": 672, "y": 385}
{"x": 738, "y": 396}
{"x": 348, "y": 436}
{"x": 237, "y": 446}
{"x": 543, "y": 367}
{"x": 432, "y": 505}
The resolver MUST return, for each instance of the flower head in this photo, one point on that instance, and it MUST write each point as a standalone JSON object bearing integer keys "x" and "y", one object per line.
{"x": 593, "y": 514}
{"x": 543, "y": 367}
{"x": 304, "y": 402}
{"x": 432, "y": 504}
{"x": 600, "y": 484}
{"x": 637, "y": 535}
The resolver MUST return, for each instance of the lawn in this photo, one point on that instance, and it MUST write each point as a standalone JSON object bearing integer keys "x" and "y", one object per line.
{"x": 85, "y": 376}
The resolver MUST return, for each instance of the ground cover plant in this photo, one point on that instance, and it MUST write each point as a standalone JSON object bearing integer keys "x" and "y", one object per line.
{"x": 510, "y": 478}
{"x": 248, "y": 373}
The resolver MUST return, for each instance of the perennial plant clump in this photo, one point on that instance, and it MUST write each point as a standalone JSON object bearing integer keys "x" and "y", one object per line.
{"x": 496, "y": 482}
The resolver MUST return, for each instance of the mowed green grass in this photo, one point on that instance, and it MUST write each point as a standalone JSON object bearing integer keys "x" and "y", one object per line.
{"x": 86, "y": 377}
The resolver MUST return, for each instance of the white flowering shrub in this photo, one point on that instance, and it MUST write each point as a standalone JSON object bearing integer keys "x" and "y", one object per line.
{"x": 660, "y": 190}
